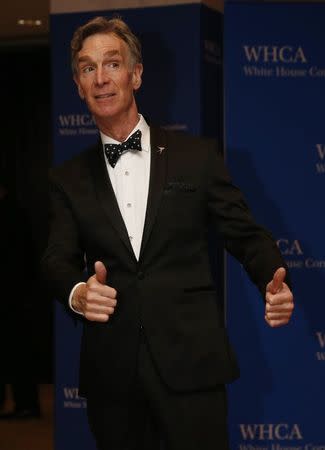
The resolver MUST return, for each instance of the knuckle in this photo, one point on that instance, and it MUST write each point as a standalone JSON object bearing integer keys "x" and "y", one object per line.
{"x": 103, "y": 318}
{"x": 90, "y": 291}
{"x": 86, "y": 308}
{"x": 87, "y": 297}
{"x": 112, "y": 302}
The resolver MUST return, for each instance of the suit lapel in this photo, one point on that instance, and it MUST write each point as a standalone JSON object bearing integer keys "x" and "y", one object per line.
{"x": 106, "y": 195}
{"x": 158, "y": 168}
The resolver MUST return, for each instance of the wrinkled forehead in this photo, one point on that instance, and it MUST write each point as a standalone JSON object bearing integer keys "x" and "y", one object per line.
{"x": 103, "y": 43}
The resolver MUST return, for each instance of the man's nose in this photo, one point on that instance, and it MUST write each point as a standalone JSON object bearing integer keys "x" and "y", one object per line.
{"x": 100, "y": 77}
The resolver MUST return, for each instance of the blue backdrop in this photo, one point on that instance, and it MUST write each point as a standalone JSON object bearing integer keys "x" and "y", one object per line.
{"x": 275, "y": 92}
{"x": 181, "y": 90}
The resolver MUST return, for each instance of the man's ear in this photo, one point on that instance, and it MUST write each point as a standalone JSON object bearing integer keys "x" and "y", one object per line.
{"x": 137, "y": 76}
{"x": 80, "y": 91}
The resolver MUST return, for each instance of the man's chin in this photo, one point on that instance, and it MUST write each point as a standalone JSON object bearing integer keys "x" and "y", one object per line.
{"x": 105, "y": 113}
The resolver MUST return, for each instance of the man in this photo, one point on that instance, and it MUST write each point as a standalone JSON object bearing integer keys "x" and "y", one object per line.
{"x": 154, "y": 353}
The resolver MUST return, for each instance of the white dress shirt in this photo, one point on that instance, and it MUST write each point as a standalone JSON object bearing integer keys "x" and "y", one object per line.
{"x": 130, "y": 182}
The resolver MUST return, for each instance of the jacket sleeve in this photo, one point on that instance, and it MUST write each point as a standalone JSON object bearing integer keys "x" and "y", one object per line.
{"x": 252, "y": 245}
{"x": 63, "y": 261}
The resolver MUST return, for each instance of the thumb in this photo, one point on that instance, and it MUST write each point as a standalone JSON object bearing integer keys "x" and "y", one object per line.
{"x": 278, "y": 279}
{"x": 100, "y": 272}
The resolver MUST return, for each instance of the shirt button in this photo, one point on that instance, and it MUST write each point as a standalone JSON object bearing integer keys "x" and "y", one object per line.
{"x": 129, "y": 205}
{"x": 126, "y": 173}
{"x": 130, "y": 237}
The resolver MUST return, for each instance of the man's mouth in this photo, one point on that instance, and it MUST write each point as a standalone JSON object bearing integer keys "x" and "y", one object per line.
{"x": 102, "y": 96}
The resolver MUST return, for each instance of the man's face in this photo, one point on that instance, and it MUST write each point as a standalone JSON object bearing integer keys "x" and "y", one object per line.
{"x": 106, "y": 78}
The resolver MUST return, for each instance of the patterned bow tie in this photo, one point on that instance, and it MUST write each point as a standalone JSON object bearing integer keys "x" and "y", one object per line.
{"x": 114, "y": 151}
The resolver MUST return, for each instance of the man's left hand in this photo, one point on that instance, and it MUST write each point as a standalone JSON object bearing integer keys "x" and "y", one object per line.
{"x": 279, "y": 300}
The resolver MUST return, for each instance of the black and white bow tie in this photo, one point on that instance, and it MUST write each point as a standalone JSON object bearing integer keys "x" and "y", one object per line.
{"x": 114, "y": 151}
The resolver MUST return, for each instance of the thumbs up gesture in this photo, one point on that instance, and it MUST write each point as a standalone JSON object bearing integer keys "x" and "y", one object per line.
{"x": 279, "y": 300}
{"x": 100, "y": 272}
{"x": 94, "y": 299}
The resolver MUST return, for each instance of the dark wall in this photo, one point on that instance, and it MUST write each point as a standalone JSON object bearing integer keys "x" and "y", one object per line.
{"x": 25, "y": 158}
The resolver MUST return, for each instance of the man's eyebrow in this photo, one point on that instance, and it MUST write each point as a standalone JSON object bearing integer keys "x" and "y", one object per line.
{"x": 112, "y": 53}
{"x": 84, "y": 59}
{"x": 109, "y": 53}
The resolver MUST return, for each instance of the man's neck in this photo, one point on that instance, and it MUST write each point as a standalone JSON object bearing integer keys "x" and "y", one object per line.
{"x": 119, "y": 129}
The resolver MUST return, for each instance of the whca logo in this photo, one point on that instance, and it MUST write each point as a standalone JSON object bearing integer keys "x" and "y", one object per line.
{"x": 274, "y": 54}
{"x": 270, "y": 431}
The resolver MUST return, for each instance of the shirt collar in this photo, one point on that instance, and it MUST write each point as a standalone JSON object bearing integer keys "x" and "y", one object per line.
{"x": 145, "y": 135}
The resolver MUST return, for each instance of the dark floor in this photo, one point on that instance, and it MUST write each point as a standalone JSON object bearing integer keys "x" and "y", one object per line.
{"x": 36, "y": 434}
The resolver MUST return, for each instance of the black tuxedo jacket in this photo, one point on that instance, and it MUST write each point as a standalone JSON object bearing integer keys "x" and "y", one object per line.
{"x": 169, "y": 291}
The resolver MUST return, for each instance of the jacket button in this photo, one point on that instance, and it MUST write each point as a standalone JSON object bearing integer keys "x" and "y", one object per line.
{"x": 140, "y": 275}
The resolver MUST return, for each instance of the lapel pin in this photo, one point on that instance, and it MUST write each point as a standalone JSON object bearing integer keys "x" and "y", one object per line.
{"x": 160, "y": 150}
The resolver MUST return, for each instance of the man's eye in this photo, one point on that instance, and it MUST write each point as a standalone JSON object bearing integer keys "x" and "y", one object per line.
{"x": 113, "y": 65}
{"x": 87, "y": 69}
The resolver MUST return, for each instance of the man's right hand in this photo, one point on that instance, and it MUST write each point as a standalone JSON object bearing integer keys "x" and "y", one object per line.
{"x": 94, "y": 299}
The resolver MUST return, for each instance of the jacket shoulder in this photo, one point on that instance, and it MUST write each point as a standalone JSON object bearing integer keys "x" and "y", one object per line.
{"x": 77, "y": 166}
{"x": 185, "y": 140}
{"x": 184, "y": 148}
